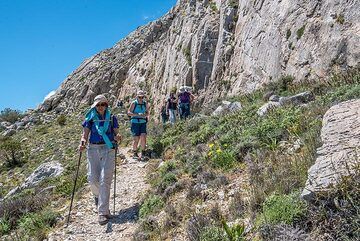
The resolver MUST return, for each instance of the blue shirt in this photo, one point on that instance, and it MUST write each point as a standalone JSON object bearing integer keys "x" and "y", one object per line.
{"x": 94, "y": 135}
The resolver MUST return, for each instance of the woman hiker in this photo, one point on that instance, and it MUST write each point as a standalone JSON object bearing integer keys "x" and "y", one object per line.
{"x": 102, "y": 128}
{"x": 171, "y": 108}
{"x": 139, "y": 113}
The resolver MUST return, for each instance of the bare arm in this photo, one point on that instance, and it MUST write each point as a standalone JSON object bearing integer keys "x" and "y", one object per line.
{"x": 192, "y": 97}
{"x": 85, "y": 135}
{"x": 84, "y": 138}
{"x": 131, "y": 109}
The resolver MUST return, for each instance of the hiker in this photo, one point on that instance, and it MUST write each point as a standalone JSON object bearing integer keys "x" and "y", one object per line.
{"x": 120, "y": 104}
{"x": 163, "y": 112}
{"x": 185, "y": 98}
{"x": 100, "y": 129}
{"x": 139, "y": 114}
{"x": 171, "y": 108}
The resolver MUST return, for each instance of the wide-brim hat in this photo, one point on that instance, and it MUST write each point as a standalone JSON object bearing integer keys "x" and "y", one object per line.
{"x": 182, "y": 89}
{"x": 99, "y": 99}
{"x": 140, "y": 93}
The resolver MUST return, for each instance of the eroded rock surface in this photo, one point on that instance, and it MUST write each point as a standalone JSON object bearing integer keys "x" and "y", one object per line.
{"x": 340, "y": 151}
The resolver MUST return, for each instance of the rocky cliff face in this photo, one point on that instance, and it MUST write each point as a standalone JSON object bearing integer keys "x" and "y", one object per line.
{"x": 222, "y": 47}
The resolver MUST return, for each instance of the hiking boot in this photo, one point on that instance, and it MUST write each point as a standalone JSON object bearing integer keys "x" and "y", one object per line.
{"x": 103, "y": 219}
{"x": 135, "y": 155}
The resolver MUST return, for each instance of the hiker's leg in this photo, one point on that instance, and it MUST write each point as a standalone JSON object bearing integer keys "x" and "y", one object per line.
{"x": 135, "y": 130}
{"x": 107, "y": 166}
{"x": 172, "y": 116}
{"x": 187, "y": 111}
{"x": 181, "y": 111}
{"x": 94, "y": 169}
{"x": 143, "y": 142}
{"x": 135, "y": 143}
{"x": 143, "y": 134}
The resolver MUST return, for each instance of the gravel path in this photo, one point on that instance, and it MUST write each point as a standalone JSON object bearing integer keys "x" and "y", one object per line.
{"x": 130, "y": 185}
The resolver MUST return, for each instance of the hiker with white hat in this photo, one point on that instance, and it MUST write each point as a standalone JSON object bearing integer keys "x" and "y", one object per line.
{"x": 139, "y": 114}
{"x": 100, "y": 129}
{"x": 185, "y": 98}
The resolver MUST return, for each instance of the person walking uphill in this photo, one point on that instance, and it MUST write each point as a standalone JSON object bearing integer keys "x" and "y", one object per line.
{"x": 185, "y": 99}
{"x": 102, "y": 128}
{"x": 171, "y": 108}
{"x": 139, "y": 113}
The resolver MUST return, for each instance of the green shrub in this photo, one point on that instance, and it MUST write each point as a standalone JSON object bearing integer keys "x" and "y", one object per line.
{"x": 212, "y": 233}
{"x": 10, "y": 115}
{"x": 283, "y": 208}
{"x": 13, "y": 209}
{"x": 235, "y": 232}
{"x": 151, "y": 205}
{"x": 37, "y": 224}
{"x": 42, "y": 130}
{"x": 167, "y": 167}
{"x": 335, "y": 214}
{"x": 213, "y": 7}
{"x": 288, "y": 34}
{"x": 65, "y": 183}
{"x": 203, "y": 135}
{"x": 167, "y": 180}
{"x": 220, "y": 157}
{"x": 340, "y": 18}
{"x": 300, "y": 32}
{"x": 281, "y": 85}
{"x": 156, "y": 145}
{"x": 5, "y": 226}
{"x": 11, "y": 151}
{"x": 61, "y": 120}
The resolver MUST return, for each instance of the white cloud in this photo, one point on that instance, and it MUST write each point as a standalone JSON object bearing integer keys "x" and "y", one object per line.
{"x": 49, "y": 95}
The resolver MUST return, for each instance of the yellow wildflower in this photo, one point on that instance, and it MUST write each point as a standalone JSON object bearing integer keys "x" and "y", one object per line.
{"x": 218, "y": 151}
{"x": 211, "y": 145}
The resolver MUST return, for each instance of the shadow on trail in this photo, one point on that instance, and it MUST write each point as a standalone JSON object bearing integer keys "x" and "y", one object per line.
{"x": 130, "y": 214}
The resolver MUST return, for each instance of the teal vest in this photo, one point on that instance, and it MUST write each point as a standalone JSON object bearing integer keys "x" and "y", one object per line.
{"x": 139, "y": 108}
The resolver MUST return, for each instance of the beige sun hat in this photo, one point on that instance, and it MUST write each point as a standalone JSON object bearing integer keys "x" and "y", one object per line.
{"x": 140, "y": 93}
{"x": 99, "y": 99}
{"x": 182, "y": 89}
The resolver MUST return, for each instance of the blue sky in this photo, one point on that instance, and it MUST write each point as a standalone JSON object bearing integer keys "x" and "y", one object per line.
{"x": 42, "y": 41}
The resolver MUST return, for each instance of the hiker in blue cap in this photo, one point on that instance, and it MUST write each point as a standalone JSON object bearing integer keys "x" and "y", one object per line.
{"x": 100, "y": 129}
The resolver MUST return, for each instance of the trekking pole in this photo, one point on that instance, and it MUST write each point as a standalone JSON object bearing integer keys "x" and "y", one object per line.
{"x": 116, "y": 149}
{"x": 73, "y": 192}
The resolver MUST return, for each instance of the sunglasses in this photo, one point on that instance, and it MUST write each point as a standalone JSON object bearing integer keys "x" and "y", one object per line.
{"x": 140, "y": 97}
{"x": 101, "y": 104}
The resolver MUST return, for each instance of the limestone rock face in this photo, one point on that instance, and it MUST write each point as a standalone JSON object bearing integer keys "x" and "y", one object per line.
{"x": 340, "y": 151}
{"x": 220, "y": 48}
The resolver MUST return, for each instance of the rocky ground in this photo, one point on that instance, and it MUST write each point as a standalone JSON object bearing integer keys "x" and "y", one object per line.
{"x": 130, "y": 184}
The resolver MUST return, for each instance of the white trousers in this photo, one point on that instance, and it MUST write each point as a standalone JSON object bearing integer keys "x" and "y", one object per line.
{"x": 100, "y": 173}
{"x": 172, "y": 116}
